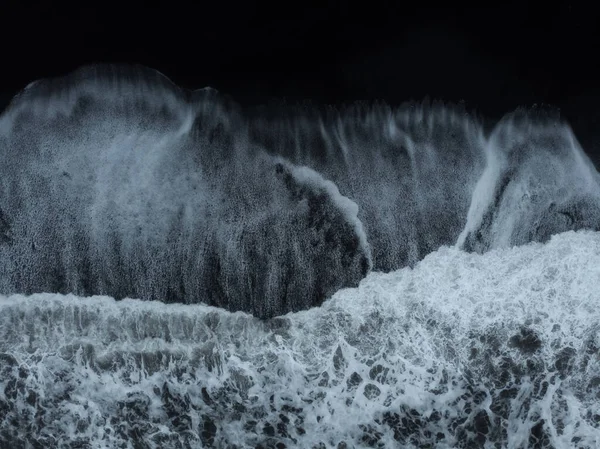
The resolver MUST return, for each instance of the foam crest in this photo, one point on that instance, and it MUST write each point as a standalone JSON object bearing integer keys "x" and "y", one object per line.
{"x": 538, "y": 182}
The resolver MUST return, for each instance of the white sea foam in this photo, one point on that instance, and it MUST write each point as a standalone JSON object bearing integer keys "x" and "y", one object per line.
{"x": 464, "y": 350}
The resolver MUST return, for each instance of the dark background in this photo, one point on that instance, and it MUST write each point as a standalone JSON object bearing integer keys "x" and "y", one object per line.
{"x": 495, "y": 58}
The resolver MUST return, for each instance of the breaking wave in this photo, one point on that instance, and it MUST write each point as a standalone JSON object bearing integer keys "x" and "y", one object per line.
{"x": 116, "y": 182}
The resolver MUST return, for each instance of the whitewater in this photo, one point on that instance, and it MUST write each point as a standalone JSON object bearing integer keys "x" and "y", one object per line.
{"x": 178, "y": 271}
{"x": 464, "y": 350}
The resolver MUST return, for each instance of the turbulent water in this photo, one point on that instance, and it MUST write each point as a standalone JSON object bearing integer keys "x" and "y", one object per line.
{"x": 464, "y": 350}
{"x": 229, "y": 225}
